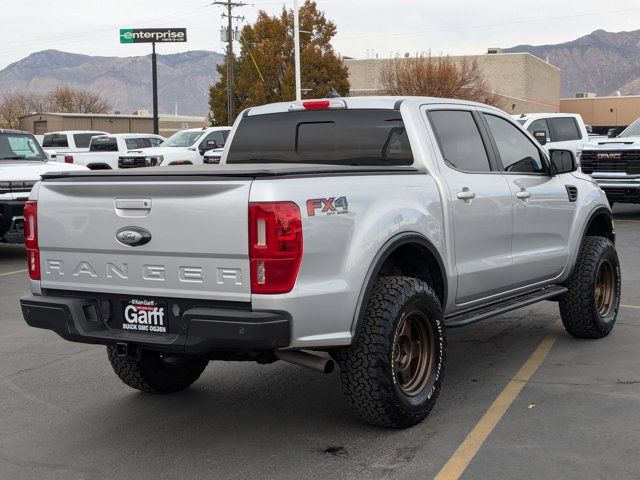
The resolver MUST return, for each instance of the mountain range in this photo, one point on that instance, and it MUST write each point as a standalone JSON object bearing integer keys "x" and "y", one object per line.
{"x": 601, "y": 62}
{"x": 124, "y": 82}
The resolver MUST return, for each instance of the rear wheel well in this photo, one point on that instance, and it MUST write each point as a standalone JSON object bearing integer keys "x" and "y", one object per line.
{"x": 416, "y": 260}
{"x": 601, "y": 225}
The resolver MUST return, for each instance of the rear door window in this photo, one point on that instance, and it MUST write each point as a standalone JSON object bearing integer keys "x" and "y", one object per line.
{"x": 82, "y": 140}
{"x": 564, "y": 129}
{"x": 375, "y": 137}
{"x": 459, "y": 140}
{"x": 540, "y": 125}
{"x": 137, "y": 143}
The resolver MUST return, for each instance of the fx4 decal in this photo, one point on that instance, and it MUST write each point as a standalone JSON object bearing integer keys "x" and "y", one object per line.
{"x": 327, "y": 206}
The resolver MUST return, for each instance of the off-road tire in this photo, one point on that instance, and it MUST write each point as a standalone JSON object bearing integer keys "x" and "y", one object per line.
{"x": 578, "y": 307}
{"x": 153, "y": 373}
{"x": 367, "y": 366}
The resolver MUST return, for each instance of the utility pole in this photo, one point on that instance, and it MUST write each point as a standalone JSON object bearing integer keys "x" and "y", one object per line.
{"x": 230, "y": 5}
{"x": 296, "y": 49}
{"x": 154, "y": 86}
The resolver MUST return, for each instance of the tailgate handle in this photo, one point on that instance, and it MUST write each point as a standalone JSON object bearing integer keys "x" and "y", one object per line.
{"x": 133, "y": 203}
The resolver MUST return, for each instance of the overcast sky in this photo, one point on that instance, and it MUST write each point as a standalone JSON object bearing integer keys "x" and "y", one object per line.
{"x": 387, "y": 27}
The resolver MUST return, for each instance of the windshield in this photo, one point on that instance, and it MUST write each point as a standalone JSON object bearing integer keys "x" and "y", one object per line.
{"x": 20, "y": 146}
{"x": 182, "y": 139}
{"x": 338, "y": 137}
{"x": 103, "y": 144}
{"x": 632, "y": 130}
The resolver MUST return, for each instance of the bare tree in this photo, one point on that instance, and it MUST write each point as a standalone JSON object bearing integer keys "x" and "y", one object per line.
{"x": 426, "y": 75}
{"x": 64, "y": 99}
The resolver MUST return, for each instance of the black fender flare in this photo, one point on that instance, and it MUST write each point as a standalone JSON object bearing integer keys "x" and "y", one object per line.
{"x": 374, "y": 269}
{"x": 585, "y": 227}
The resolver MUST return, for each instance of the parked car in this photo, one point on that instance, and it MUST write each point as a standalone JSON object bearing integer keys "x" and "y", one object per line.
{"x": 22, "y": 161}
{"x": 186, "y": 147}
{"x": 557, "y": 130}
{"x": 359, "y": 228}
{"x": 615, "y": 165}
{"x": 66, "y": 143}
{"x": 105, "y": 150}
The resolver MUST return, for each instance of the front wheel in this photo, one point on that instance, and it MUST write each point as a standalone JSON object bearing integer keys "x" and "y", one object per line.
{"x": 155, "y": 372}
{"x": 590, "y": 307}
{"x": 392, "y": 373}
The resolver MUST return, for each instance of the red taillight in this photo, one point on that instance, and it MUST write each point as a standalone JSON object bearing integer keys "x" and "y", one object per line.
{"x": 275, "y": 246}
{"x": 31, "y": 239}
{"x": 316, "y": 104}
{"x": 68, "y": 159}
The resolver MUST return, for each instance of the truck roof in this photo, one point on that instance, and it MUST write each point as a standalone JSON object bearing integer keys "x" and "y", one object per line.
{"x": 130, "y": 135}
{"x": 205, "y": 129}
{"x": 73, "y": 132}
{"x": 372, "y": 102}
{"x": 527, "y": 116}
{"x": 7, "y": 130}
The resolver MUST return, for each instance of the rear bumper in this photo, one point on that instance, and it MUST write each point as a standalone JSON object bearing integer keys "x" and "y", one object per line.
{"x": 198, "y": 330}
{"x": 12, "y": 221}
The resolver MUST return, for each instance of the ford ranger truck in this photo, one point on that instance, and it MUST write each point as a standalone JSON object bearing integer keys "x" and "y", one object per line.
{"x": 615, "y": 165}
{"x": 355, "y": 231}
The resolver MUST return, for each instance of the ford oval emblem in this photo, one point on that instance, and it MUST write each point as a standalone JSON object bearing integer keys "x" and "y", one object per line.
{"x": 133, "y": 236}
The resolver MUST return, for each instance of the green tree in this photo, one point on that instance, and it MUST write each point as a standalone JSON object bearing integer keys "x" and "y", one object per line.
{"x": 264, "y": 70}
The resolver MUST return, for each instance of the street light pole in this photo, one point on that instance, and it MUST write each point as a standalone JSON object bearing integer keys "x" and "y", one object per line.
{"x": 296, "y": 48}
{"x": 154, "y": 86}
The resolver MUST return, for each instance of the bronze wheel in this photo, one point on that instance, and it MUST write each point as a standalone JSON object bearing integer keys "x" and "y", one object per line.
{"x": 605, "y": 288}
{"x": 413, "y": 353}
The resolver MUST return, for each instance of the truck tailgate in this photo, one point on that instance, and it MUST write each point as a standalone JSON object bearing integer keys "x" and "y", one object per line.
{"x": 198, "y": 246}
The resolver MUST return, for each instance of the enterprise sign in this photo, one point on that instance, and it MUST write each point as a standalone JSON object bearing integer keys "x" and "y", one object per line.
{"x": 151, "y": 35}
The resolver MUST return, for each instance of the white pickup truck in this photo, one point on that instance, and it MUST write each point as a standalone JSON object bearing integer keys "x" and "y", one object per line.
{"x": 66, "y": 143}
{"x": 556, "y": 130}
{"x": 22, "y": 161}
{"x": 105, "y": 150}
{"x": 186, "y": 147}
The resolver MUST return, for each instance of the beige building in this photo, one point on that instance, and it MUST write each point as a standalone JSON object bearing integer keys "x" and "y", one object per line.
{"x": 524, "y": 82}
{"x": 603, "y": 113}
{"x": 41, "y": 123}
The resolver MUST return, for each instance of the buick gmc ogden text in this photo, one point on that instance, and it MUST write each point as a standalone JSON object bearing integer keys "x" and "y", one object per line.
{"x": 351, "y": 230}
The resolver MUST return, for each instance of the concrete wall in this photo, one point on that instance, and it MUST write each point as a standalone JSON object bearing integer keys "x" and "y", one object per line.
{"x": 169, "y": 124}
{"x": 526, "y": 83}
{"x": 604, "y": 111}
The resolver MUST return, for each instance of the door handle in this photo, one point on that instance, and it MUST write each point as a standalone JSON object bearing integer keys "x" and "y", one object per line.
{"x": 523, "y": 194}
{"x": 466, "y": 195}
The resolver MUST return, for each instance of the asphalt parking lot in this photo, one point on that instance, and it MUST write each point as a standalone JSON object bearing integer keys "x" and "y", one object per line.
{"x": 65, "y": 415}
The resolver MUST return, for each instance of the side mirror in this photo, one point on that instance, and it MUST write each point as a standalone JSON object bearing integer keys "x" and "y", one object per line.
{"x": 540, "y": 136}
{"x": 562, "y": 161}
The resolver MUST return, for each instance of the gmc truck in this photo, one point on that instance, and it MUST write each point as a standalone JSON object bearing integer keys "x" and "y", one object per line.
{"x": 352, "y": 230}
{"x": 105, "y": 150}
{"x": 615, "y": 165}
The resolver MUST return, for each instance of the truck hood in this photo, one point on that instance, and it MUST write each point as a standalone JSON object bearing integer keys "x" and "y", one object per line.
{"x": 32, "y": 170}
{"x": 627, "y": 143}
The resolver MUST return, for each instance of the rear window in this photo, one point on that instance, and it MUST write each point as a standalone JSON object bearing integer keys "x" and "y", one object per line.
{"x": 340, "y": 137}
{"x": 136, "y": 143}
{"x": 53, "y": 140}
{"x": 82, "y": 140}
{"x": 104, "y": 144}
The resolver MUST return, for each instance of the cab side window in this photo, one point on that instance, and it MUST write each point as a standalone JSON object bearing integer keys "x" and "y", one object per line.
{"x": 460, "y": 141}
{"x": 516, "y": 152}
{"x": 565, "y": 129}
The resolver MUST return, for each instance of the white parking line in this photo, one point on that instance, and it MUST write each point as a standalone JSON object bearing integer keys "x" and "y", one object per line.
{"x": 12, "y": 273}
{"x": 631, "y": 306}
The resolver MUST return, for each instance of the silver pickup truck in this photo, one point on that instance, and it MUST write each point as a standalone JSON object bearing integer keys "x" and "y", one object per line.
{"x": 353, "y": 230}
